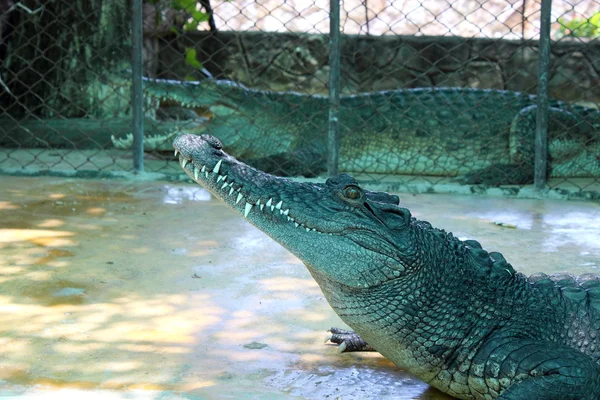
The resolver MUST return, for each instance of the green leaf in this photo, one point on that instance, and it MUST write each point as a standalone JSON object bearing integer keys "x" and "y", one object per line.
{"x": 199, "y": 16}
{"x": 190, "y": 58}
{"x": 188, "y": 5}
{"x": 190, "y": 26}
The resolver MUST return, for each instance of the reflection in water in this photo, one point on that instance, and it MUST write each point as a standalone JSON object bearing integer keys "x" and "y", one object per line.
{"x": 177, "y": 195}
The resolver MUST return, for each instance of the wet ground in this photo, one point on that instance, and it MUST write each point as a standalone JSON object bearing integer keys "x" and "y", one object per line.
{"x": 119, "y": 290}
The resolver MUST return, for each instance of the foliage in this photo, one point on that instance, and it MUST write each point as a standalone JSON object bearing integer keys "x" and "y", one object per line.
{"x": 580, "y": 27}
{"x": 196, "y": 16}
{"x": 190, "y": 58}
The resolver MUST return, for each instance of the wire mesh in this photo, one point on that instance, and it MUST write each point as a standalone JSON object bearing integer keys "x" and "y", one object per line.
{"x": 57, "y": 107}
{"x": 434, "y": 94}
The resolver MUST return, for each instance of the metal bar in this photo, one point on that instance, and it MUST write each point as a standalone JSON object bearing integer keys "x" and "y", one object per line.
{"x": 333, "y": 136}
{"x": 541, "y": 128}
{"x": 137, "y": 104}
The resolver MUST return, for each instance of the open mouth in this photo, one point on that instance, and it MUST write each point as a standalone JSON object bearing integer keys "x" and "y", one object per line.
{"x": 220, "y": 179}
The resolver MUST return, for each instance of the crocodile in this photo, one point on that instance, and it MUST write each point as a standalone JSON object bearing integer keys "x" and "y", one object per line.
{"x": 482, "y": 135}
{"x": 456, "y": 316}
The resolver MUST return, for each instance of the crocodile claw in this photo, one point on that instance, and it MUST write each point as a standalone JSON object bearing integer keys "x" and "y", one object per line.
{"x": 348, "y": 341}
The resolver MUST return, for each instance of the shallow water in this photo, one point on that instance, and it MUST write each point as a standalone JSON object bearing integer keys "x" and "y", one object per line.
{"x": 114, "y": 289}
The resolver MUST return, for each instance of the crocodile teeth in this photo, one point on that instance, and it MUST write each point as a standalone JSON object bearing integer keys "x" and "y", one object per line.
{"x": 231, "y": 190}
{"x": 224, "y": 185}
{"x": 176, "y": 151}
{"x": 240, "y": 197}
{"x": 290, "y": 219}
{"x": 196, "y": 171}
{"x": 183, "y": 162}
{"x": 247, "y": 209}
{"x": 286, "y": 212}
{"x": 221, "y": 178}
{"x": 307, "y": 229}
{"x": 206, "y": 173}
{"x": 278, "y": 206}
{"x": 297, "y": 224}
{"x": 216, "y": 168}
{"x": 203, "y": 168}
{"x": 269, "y": 202}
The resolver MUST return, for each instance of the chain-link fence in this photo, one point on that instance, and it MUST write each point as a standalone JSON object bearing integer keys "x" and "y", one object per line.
{"x": 436, "y": 96}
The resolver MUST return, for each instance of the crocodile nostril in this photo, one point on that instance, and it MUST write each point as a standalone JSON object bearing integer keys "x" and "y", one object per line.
{"x": 213, "y": 141}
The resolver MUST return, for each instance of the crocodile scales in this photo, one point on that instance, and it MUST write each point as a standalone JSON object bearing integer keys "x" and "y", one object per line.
{"x": 458, "y": 317}
{"x": 484, "y": 135}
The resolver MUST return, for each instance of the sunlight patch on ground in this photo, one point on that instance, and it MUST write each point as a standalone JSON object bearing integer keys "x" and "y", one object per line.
{"x": 5, "y": 205}
{"x": 38, "y": 236}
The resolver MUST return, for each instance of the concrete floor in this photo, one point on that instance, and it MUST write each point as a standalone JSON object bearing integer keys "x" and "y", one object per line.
{"x": 145, "y": 290}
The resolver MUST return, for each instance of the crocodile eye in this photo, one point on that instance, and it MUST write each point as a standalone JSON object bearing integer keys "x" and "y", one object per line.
{"x": 352, "y": 192}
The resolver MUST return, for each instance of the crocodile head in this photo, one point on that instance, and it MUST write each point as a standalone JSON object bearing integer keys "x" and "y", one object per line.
{"x": 191, "y": 94}
{"x": 342, "y": 232}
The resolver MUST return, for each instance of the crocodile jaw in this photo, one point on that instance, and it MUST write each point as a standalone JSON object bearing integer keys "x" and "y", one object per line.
{"x": 263, "y": 204}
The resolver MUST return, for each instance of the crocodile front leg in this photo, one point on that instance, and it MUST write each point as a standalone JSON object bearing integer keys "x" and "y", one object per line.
{"x": 562, "y": 125}
{"x": 348, "y": 341}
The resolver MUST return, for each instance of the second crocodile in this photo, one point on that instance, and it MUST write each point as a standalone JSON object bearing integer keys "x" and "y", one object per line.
{"x": 485, "y": 135}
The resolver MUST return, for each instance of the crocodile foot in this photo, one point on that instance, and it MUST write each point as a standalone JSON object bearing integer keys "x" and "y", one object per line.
{"x": 348, "y": 341}
{"x": 499, "y": 174}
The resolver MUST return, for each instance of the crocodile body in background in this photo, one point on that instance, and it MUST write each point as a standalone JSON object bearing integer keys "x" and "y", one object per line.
{"x": 486, "y": 134}
{"x": 458, "y": 317}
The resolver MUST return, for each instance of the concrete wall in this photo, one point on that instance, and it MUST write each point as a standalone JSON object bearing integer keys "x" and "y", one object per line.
{"x": 293, "y": 61}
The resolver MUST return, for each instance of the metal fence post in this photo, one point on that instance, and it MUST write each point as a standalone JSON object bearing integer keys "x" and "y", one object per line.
{"x": 333, "y": 137}
{"x": 541, "y": 131}
{"x": 137, "y": 104}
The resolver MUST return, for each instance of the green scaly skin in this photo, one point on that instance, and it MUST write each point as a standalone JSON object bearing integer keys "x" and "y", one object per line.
{"x": 458, "y": 317}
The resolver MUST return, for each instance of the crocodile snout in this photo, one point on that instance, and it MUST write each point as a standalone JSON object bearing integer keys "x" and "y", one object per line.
{"x": 213, "y": 141}
{"x": 192, "y": 146}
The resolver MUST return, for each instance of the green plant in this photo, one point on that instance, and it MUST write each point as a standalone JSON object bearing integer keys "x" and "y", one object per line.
{"x": 580, "y": 27}
{"x": 191, "y": 8}
{"x": 190, "y": 58}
